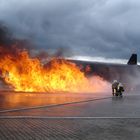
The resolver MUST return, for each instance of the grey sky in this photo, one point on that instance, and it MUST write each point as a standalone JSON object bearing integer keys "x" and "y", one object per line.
{"x": 107, "y": 28}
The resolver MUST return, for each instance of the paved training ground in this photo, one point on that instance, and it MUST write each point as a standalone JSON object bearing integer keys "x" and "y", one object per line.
{"x": 69, "y": 116}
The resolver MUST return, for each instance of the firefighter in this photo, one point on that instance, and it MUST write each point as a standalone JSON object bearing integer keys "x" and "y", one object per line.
{"x": 117, "y": 88}
{"x": 120, "y": 88}
{"x": 114, "y": 87}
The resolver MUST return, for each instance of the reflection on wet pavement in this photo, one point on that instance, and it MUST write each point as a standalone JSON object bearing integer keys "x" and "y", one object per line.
{"x": 128, "y": 106}
{"x": 11, "y": 100}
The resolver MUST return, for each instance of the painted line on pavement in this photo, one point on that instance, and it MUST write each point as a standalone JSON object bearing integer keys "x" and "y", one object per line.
{"x": 45, "y": 117}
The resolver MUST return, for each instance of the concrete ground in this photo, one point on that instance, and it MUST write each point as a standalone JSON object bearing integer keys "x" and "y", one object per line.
{"x": 40, "y": 116}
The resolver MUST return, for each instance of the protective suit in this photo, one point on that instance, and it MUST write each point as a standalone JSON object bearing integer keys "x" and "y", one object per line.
{"x": 114, "y": 87}
{"x": 120, "y": 87}
{"x": 117, "y": 88}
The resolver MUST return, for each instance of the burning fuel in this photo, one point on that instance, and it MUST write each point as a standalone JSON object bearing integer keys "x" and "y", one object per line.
{"x": 24, "y": 73}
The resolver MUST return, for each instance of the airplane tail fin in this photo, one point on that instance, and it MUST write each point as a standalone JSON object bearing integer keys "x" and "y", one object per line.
{"x": 132, "y": 60}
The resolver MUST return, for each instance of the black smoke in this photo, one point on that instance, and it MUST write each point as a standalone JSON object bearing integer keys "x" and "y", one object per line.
{"x": 5, "y": 35}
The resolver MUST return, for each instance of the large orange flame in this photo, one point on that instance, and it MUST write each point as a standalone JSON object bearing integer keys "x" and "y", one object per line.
{"x": 28, "y": 74}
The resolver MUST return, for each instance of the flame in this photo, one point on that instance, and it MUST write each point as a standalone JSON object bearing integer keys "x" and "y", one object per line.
{"x": 28, "y": 74}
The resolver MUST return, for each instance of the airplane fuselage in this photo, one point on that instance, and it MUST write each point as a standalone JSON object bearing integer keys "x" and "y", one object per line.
{"x": 127, "y": 74}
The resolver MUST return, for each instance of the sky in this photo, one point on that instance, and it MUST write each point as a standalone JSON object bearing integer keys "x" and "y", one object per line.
{"x": 96, "y": 28}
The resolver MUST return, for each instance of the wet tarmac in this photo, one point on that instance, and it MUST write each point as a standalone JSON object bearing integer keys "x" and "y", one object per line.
{"x": 69, "y": 116}
{"x": 12, "y": 100}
